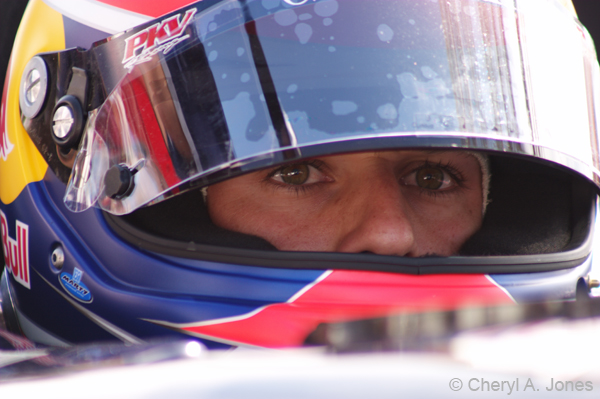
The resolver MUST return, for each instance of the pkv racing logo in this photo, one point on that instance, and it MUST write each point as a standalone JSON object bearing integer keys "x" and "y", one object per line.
{"x": 16, "y": 251}
{"x": 159, "y": 38}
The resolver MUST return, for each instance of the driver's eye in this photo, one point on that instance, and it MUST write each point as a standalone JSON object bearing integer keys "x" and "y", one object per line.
{"x": 295, "y": 174}
{"x": 431, "y": 178}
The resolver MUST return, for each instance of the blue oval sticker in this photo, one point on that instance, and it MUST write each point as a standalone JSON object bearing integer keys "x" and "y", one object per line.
{"x": 73, "y": 285}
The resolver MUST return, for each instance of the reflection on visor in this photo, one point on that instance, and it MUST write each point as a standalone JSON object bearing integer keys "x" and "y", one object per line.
{"x": 264, "y": 79}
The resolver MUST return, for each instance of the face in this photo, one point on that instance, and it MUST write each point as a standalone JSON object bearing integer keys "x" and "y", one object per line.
{"x": 406, "y": 203}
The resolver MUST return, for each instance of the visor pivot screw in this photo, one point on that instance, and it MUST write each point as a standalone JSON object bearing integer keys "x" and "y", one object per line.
{"x": 118, "y": 181}
{"x": 62, "y": 122}
{"x": 67, "y": 122}
{"x": 58, "y": 258}
{"x": 34, "y": 86}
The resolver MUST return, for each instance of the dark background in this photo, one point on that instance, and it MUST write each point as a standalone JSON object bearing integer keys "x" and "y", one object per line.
{"x": 589, "y": 15}
{"x": 10, "y": 14}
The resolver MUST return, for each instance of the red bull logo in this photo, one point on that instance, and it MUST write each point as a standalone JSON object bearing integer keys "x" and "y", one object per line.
{"x": 160, "y": 37}
{"x": 16, "y": 251}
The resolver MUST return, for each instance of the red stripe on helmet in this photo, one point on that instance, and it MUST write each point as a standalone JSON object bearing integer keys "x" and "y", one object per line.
{"x": 152, "y": 8}
{"x": 351, "y": 295}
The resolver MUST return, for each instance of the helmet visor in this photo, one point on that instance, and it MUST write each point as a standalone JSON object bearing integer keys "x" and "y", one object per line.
{"x": 205, "y": 94}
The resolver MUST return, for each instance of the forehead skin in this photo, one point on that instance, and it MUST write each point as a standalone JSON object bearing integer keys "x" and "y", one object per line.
{"x": 363, "y": 202}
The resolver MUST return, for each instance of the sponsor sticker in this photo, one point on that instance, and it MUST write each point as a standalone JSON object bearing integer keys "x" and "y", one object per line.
{"x": 16, "y": 251}
{"x": 74, "y": 286}
{"x": 158, "y": 38}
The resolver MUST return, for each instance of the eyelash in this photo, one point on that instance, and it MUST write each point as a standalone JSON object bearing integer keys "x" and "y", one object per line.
{"x": 447, "y": 167}
{"x": 297, "y": 189}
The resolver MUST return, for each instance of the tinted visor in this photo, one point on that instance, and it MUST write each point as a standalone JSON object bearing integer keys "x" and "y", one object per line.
{"x": 206, "y": 94}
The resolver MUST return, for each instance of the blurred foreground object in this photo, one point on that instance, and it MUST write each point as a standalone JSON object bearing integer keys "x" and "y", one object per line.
{"x": 527, "y": 352}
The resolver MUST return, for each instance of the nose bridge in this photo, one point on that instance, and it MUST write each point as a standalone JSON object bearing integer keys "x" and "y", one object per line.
{"x": 383, "y": 196}
{"x": 380, "y": 217}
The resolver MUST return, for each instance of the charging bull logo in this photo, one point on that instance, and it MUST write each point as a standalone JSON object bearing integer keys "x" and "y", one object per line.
{"x": 6, "y": 146}
{"x": 16, "y": 251}
{"x": 160, "y": 37}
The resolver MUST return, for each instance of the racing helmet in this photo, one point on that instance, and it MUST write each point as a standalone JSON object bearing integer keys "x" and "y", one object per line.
{"x": 117, "y": 114}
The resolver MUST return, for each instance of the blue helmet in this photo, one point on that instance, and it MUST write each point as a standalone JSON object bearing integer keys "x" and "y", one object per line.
{"x": 117, "y": 114}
